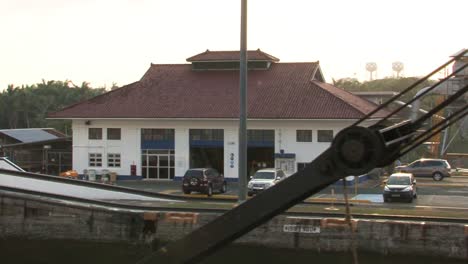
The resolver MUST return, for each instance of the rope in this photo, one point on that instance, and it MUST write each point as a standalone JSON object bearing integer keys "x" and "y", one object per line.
{"x": 350, "y": 224}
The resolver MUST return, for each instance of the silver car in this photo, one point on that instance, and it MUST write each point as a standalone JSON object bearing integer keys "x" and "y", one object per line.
{"x": 435, "y": 168}
{"x": 400, "y": 186}
{"x": 264, "y": 179}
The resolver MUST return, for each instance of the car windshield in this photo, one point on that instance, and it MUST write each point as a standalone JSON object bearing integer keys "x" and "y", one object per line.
{"x": 264, "y": 175}
{"x": 193, "y": 173}
{"x": 399, "y": 180}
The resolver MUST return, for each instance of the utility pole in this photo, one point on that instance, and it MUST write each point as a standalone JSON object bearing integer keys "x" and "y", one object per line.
{"x": 243, "y": 106}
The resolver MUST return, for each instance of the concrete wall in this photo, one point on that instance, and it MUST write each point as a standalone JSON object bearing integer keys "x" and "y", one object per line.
{"x": 130, "y": 147}
{"x": 21, "y": 218}
{"x": 37, "y": 220}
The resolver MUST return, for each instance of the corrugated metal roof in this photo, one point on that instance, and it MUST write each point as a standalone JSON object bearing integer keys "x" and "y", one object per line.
{"x": 28, "y": 135}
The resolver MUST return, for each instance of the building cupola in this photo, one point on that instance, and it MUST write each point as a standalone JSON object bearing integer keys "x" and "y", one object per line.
{"x": 230, "y": 60}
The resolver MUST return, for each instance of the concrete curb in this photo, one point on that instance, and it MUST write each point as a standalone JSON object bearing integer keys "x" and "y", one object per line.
{"x": 336, "y": 200}
{"x": 234, "y": 198}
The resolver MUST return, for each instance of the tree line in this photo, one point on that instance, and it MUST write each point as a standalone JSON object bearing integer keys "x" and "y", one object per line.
{"x": 385, "y": 84}
{"x": 27, "y": 106}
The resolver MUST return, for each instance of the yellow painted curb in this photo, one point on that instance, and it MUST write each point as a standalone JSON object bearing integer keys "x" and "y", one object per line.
{"x": 335, "y": 200}
{"x": 310, "y": 200}
{"x": 419, "y": 184}
{"x": 168, "y": 191}
{"x": 198, "y": 195}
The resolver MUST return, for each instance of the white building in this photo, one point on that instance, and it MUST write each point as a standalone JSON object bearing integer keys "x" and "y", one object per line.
{"x": 180, "y": 116}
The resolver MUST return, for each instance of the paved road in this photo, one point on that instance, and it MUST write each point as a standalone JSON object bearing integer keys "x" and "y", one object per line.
{"x": 451, "y": 192}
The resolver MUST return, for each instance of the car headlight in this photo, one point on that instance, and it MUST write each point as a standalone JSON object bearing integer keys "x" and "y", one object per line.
{"x": 407, "y": 189}
{"x": 386, "y": 188}
{"x": 250, "y": 185}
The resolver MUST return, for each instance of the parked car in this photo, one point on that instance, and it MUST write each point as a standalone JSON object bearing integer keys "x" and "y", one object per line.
{"x": 400, "y": 185}
{"x": 435, "y": 168}
{"x": 264, "y": 179}
{"x": 203, "y": 180}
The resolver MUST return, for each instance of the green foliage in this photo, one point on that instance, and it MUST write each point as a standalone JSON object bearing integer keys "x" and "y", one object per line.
{"x": 28, "y": 106}
{"x": 386, "y": 84}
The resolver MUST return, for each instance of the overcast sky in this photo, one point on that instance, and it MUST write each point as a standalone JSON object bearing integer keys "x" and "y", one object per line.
{"x": 106, "y": 41}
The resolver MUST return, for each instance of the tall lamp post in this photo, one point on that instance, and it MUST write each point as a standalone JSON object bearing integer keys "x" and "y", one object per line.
{"x": 243, "y": 106}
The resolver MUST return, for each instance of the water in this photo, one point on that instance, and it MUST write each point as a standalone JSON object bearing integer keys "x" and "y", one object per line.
{"x": 243, "y": 254}
{"x": 13, "y": 251}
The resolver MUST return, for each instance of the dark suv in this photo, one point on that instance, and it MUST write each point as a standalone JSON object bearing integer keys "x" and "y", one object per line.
{"x": 435, "y": 168}
{"x": 203, "y": 180}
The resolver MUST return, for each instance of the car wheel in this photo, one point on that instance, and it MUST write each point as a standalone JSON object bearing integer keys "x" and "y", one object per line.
{"x": 186, "y": 191}
{"x": 385, "y": 200}
{"x": 209, "y": 191}
{"x": 437, "y": 176}
{"x": 224, "y": 188}
{"x": 415, "y": 195}
{"x": 410, "y": 200}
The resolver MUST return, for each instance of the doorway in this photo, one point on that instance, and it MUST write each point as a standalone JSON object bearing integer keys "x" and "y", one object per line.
{"x": 207, "y": 148}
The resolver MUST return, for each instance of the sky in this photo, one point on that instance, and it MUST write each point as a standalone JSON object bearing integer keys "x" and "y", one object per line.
{"x": 115, "y": 41}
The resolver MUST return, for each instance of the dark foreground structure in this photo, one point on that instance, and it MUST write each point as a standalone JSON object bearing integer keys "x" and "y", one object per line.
{"x": 53, "y": 222}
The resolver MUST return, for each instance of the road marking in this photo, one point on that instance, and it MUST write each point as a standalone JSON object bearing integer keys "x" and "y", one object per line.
{"x": 456, "y": 191}
{"x": 169, "y": 191}
{"x": 376, "y": 198}
{"x": 440, "y": 207}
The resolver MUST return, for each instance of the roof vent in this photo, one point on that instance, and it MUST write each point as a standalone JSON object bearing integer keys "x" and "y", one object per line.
{"x": 230, "y": 60}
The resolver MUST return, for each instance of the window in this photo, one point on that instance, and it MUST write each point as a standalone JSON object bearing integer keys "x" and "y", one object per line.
{"x": 113, "y": 133}
{"x": 433, "y": 163}
{"x": 113, "y": 160}
{"x": 149, "y": 134}
{"x": 260, "y": 135}
{"x": 325, "y": 135}
{"x": 94, "y": 133}
{"x": 304, "y": 135}
{"x": 95, "y": 159}
{"x": 207, "y": 134}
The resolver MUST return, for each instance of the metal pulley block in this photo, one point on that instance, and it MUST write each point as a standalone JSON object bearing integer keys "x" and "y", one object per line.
{"x": 356, "y": 150}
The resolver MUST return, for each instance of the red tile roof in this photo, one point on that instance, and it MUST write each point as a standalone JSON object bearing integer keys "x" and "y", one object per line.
{"x": 285, "y": 91}
{"x": 252, "y": 55}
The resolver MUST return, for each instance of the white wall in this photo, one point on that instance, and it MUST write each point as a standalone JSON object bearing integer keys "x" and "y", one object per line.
{"x": 231, "y": 137}
{"x": 129, "y": 145}
{"x": 305, "y": 151}
{"x": 182, "y": 151}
